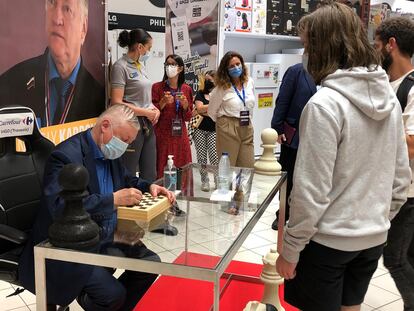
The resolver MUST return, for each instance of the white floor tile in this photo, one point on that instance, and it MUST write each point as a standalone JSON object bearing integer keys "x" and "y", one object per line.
{"x": 218, "y": 247}
{"x": 248, "y": 256}
{"x": 74, "y": 306}
{"x": 365, "y": 307}
{"x": 254, "y": 241}
{"x": 153, "y": 246}
{"x": 208, "y": 221}
{"x": 167, "y": 257}
{"x": 386, "y": 282}
{"x": 171, "y": 242}
{"x": 268, "y": 220}
{"x": 203, "y": 235}
{"x": 379, "y": 272}
{"x": 199, "y": 249}
{"x": 393, "y": 306}
{"x": 262, "y": 250}
{"x": 377, "y": 297}
{"x": 230, "y": 230}
{"x": 181, "y": 225}
{"x": 10, "y": 302}
{"x": 260, "y": 226}
{"x": 269, "y": 234}
{"x": 4, "y": 285}
{"x": 20, "y": 309}
{"x": 28, "y": 297}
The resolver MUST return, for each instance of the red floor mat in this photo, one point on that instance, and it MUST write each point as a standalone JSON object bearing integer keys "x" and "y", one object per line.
{"x": 177, "y": 294}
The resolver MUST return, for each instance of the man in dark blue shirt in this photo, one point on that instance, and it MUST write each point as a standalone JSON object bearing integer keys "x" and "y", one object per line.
{"x": 110, "y": 186}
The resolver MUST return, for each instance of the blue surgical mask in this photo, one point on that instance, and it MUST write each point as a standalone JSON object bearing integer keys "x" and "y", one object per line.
{"x": 114, "y": 149}
{"x": 144, "y": 58}
{"x": 235, "y": 72}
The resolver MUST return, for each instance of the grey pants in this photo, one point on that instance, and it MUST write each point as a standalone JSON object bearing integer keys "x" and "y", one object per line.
{"x": 141, "y": 155}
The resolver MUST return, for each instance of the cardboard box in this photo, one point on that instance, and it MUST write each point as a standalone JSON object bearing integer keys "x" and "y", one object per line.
{"x": 292, "y": 6}
{"x": 289, "y": 24}
{"x": 259, "y": 16}
{"x": 275, "y": 6}
{"x": 229, "y": 4}
{"x": 244, "y": 4}
{"x": 243, "y": 21}
{"x": 274, "y": 23}
{"x": 230, "y": 19}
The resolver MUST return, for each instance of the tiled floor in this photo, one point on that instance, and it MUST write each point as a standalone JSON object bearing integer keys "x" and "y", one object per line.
{"x": 213, "y": 238}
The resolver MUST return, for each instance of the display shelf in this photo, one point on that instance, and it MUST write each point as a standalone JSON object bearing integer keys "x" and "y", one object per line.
{"x": 249, "y": 35}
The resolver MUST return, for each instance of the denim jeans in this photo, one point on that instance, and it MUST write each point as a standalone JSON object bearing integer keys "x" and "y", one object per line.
{"x": 399, "y": 252}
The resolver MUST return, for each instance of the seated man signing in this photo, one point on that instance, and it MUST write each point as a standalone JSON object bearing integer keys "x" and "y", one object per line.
{"x": 110, "y": 185}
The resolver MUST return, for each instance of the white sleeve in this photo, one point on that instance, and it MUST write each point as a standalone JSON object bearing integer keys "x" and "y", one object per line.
{"x": 216, "y": 98}
{"x": 408, "y": 115}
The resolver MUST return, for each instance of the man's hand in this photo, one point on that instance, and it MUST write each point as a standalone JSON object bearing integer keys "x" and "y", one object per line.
{"x": 286, "y": 269}
{"x": 281, "y": 138}
{"x": 156, "y": 190}
{"x": 127, "y": 197}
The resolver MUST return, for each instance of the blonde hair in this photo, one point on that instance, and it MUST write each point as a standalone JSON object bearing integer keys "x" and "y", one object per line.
{"x": 335, "y": 39}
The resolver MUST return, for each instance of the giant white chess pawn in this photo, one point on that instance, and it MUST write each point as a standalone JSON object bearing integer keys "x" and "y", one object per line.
{"x": 271, "y": 280}
{"x": 267, "y": 164}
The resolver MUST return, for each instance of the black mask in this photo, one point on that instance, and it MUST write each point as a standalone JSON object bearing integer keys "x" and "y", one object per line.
{"x": 208, "y": 86}
{"x": 386, "y": 60}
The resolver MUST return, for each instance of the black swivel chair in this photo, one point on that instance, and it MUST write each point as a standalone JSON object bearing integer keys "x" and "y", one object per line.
{"x": 21, "y": 176}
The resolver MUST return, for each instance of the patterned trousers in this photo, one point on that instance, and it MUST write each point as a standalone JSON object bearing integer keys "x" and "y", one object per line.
{"x": 205, "y": 143}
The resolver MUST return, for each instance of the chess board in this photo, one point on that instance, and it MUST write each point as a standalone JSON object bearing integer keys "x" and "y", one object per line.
{"x": 147, "y": 209}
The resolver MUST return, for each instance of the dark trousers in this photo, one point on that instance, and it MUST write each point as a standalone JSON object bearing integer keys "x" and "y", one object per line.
{"x": 104, "y": 292}
{"x": 287, "y": 161}
{"x": 328, "y": 278}
{"x": 399, "y": 253}
{"x": 141, "y": 154}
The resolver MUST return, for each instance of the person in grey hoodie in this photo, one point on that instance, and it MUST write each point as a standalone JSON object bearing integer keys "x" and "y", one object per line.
{"x": 352, "y": 172}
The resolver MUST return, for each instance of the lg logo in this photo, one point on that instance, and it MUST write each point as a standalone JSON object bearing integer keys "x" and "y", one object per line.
{"x": 158, "y": 3}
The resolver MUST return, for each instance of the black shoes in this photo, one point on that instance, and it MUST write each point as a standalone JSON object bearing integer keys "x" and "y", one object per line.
{"x": 176, "y": 211}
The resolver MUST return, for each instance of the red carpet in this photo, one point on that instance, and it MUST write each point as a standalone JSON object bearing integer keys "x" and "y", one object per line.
{"x": 177, "y": 294}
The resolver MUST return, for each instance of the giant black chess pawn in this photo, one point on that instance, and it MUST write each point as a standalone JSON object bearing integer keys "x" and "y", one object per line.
{"x": 74, "y": 228}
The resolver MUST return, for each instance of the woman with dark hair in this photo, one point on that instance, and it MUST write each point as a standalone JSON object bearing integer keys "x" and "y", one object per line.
{"x": 231, "y": 106}
{"x": 130, "y": 85}
{"x": 174, "y": 99}
{"x": 205, "y": 134}
{"x": 351, "y": 173}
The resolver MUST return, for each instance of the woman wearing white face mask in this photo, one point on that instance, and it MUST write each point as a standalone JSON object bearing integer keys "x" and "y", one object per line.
{"x": 130, "y": 85}
{"x": 174, "y": 99}
{"x": 231, "y": 106}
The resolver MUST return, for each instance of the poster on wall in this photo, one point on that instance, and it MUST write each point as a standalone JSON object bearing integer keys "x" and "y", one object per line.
{"x": 191, "y": 32}
{"x": 52, "y": 61}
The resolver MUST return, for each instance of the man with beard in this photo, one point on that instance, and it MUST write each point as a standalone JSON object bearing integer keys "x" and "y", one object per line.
{"x": 394, "y": 39}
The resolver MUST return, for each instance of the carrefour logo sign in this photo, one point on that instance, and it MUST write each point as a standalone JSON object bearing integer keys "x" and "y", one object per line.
{"x": 16, "y": 124}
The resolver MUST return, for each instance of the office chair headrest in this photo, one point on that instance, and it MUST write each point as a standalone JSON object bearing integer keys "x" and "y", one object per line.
{"x": 17, "y": 122}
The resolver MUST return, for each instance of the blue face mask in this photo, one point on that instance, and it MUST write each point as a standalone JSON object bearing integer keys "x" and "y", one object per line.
{"x": 235, "y": 72}
{"x": 114, "y": 149}
{"x": 144, "y": 58}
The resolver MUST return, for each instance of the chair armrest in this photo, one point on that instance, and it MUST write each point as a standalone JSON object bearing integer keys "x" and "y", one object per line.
{"x": 12, "y": 234}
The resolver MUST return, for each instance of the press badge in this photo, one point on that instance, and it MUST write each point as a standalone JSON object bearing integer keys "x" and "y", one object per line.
{"x": 176, "y": 128}
{"x": 244, "y": 118}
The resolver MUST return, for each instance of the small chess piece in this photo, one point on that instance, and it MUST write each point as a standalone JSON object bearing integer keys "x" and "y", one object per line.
{"x": 271, "y": 280}
{"x": 267, "y": 164}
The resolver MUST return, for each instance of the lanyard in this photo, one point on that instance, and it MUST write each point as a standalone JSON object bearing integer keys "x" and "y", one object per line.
{"x": 243, "y": 99}
{"x": 173, "y": 93}
{"x": 68, "y": 103}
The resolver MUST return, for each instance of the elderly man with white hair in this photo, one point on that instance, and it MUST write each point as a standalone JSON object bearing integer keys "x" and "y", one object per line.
{"x": 110, "y": 185}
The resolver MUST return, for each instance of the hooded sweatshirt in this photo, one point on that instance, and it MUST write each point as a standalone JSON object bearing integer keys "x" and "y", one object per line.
{"x": 352, "y": 172}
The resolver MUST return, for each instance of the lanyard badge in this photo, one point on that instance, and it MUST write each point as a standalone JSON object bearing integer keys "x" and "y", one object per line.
{"x": 244, "y": 114}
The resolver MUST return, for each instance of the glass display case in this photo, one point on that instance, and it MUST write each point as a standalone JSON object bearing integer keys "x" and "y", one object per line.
{"x": 221, "y": 220}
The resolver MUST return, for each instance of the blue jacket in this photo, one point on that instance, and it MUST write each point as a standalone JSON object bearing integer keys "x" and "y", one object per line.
{"x": 296, "y": 89}
{"x": 66, "y": 280}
